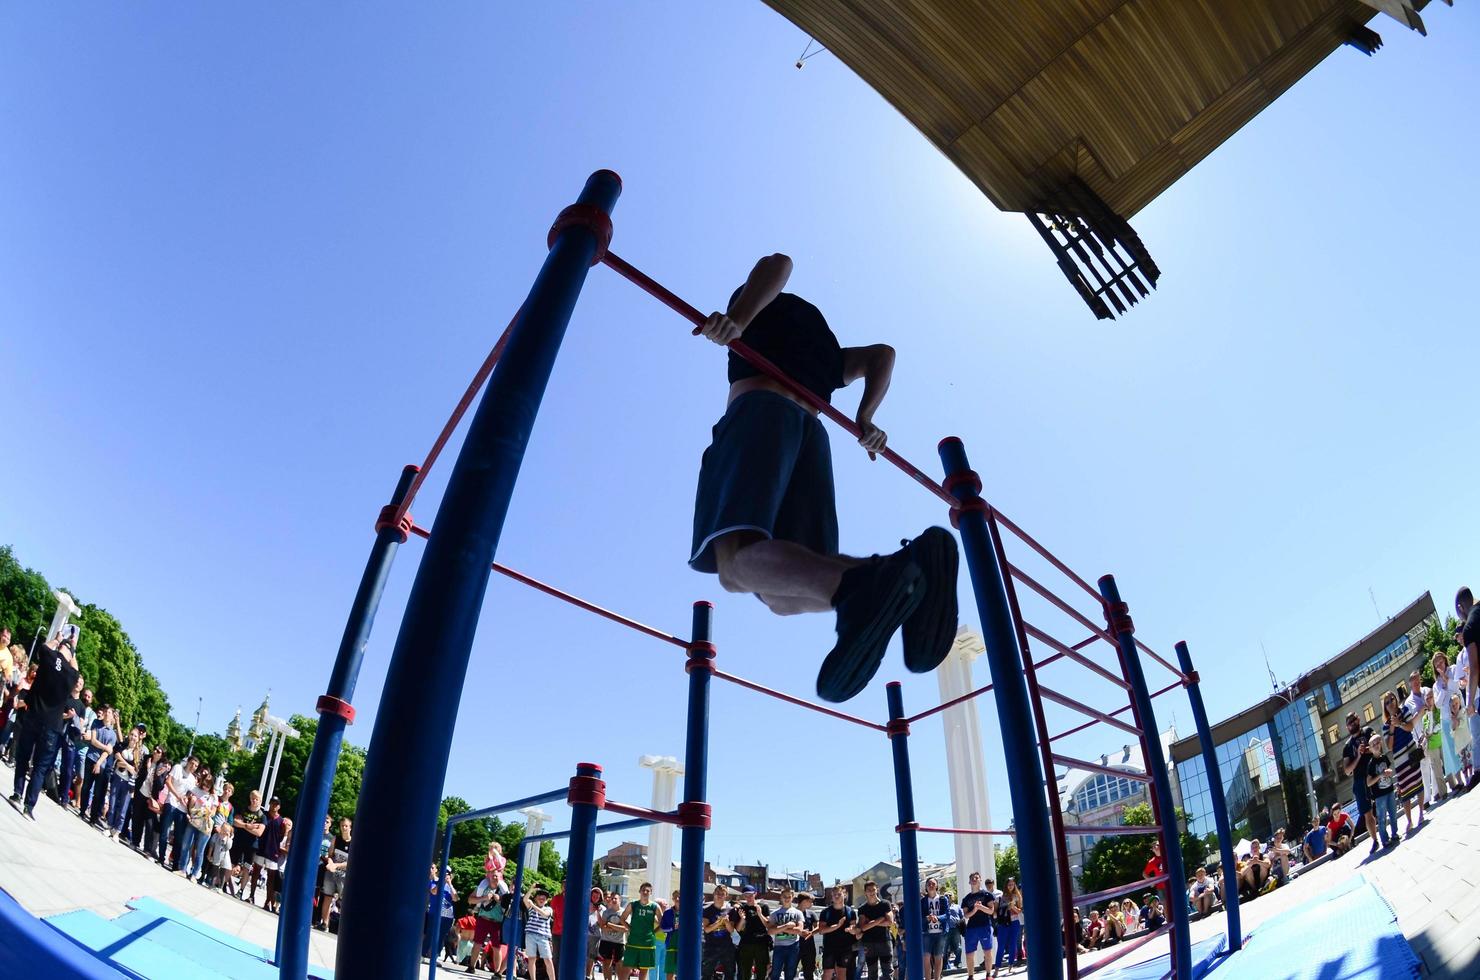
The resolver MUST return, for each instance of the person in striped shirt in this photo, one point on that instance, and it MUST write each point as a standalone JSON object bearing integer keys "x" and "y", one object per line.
{"x": 537, "y": 944}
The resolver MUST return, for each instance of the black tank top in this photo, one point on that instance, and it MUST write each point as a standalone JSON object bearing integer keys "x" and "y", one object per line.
{"x": 792, "y": 334}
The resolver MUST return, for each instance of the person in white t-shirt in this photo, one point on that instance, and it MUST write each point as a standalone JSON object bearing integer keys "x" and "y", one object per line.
{"x": 1446, "y": 683}
{"x": 177, "y": 794}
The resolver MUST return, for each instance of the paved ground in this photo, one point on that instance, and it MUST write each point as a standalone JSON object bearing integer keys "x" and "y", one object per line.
{"x": 1432, "y": 881}
{"x": 58, "y": 863}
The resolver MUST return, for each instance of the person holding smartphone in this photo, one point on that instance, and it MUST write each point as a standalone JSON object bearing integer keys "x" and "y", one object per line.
{"x": 1355, "y": 763}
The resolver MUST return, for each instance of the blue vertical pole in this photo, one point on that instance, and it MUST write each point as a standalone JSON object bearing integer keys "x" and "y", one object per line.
{"x": 1215, "y": 793}
{"x": 441, "y": 877}
{"x": 1025, "y": 778}
{"x": 295, "y": 920}
{"x": 1124, "y": 632}
{"x": 695, "y": 786}
{"x": 407, "y": 756}
{"x": 587, "y": 797}
{"x": 514, "y": 922}
{"x": 909, "y": 852}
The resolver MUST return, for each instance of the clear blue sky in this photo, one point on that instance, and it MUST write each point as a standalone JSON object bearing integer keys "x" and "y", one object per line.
{"x": 252, "y": 255}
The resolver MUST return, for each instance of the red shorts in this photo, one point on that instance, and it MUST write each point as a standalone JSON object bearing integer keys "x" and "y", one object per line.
{"x": 487, "y": 931}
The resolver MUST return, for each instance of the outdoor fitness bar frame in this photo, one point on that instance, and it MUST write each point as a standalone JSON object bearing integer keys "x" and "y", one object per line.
{"x": 381, "y": 930}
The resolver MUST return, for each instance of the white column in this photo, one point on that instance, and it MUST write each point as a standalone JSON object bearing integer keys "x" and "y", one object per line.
{"x": 534, "y": 823}
{"x": 277, "y": 762}
{"x": 65, "y": 608}
{"x": 272, "y": 738}
{"x": 965, "y": 764}
{"x": 666, "y": 770}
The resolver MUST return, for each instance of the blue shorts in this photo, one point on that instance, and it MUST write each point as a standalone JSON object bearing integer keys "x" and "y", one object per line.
{"x": 767, "y": 470}
{"x": 978, "y": 937}
{"x": 935, "y": 944}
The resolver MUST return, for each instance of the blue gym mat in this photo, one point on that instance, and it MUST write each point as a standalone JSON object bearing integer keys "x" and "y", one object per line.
{"x": 147, "y": 909}
{"x": 1351, "y": 933}
{"x": 131, "y": 953}
{"x": 1204, "y": 956}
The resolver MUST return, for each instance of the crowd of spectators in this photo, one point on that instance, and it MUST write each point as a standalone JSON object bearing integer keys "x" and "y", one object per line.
{"x": 178, "y": 814}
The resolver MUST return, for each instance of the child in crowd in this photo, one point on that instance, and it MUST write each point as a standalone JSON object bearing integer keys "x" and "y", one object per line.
{"x": 1382, "y": 784}
{"x": 218, "y": 857}
{"x": 1463, "y": 746}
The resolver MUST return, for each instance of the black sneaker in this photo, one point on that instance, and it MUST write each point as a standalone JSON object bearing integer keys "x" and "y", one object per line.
{"x": 28, "y": 813}
{"x": 931, "y": 628}
{"x": 872, "y": 601}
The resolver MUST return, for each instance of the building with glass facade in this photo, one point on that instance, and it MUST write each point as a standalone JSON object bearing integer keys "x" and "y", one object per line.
{"x": 1281, "y": 757}
{"x": 1097, "y": 799}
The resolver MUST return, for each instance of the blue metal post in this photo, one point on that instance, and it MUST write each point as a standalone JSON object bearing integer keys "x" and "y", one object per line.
{"x": 695, "y": 786}
{"x": 441, "y": 877}
{"x": 514, "y": 921}
{"x": 407, "y": 755}
{"x": 1156, "y": 765}
{"x": 909, "y": 851}
{"x": 296, "y": 917}
{"x": 1215, "y": 794}
{"x": 587, "y": 797}
{"x": 1025, "y": 778}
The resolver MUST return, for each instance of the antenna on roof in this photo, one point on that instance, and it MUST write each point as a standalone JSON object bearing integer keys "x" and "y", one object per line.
{"x": 1373, "y": 596}
{"x": 1274, "y": 685}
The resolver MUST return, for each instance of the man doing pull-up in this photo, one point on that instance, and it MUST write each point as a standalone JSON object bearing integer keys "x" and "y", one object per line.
{"x": 765, "y": 517}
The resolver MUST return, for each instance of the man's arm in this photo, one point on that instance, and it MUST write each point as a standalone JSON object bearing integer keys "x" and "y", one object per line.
{"x": 875, "y": 365}
{"x": 1473, "y": 675}
{"x": 764, "y": 284}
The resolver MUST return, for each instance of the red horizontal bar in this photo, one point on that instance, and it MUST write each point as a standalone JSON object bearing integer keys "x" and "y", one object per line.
{"x": 1159, "y": 659}
{"x": 658, "y": 816}
{"x": 1126, "y": 946}
{"x": 1074, "y": 655}
{"x": 1028, "y": 540}
{"x": 1069, "y": 760}
{"x": 799, "y": 702}
{"x": 1089, "y": 724}
{"x": 963, "y": 830}
{"x": 1117, "y": 830}
{"x": 1093, "y": 897}
{"x": 1084, "y": 709}
{"x": 457, "y": 413}
{"x": 948, "y": 704}
{"x": 574, "y": 600}
{"x": 1083, "y": 620}
{"x": 669, "y": 299}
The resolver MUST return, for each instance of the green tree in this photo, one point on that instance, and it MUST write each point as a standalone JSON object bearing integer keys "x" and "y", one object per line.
{"x": 1007, "y": 865}
{"x": 1438, "y": 638}
{"x": 1120, "y": 859}
{"x": 26, "y": 602}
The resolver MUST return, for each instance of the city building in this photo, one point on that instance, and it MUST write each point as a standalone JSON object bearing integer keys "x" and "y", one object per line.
{"x": 1096, "y": 799}
{"x": 1280, "y": 759}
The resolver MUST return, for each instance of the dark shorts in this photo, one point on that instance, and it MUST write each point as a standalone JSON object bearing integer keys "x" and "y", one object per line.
{"x": 837, "y": 957}
{"x": 1364, "y": 804}
{"x": 767, "y": 470}
{"x": 609, "y": 950}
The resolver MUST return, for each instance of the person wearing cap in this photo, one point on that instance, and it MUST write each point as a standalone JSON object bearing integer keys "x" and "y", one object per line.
{"x": 126, "y": 761}
{"x": 41, "y": 718}
{"x": 753, "y": 957}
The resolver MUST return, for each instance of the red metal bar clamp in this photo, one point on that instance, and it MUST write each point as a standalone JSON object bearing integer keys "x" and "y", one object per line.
{"x": 388, "y": 518}
{"x": 975, "y": 505}
{"x": 593, "y": 219}
{"x": 587, "y": 789}
{"x": 694, "y": 814}
{"x": 701, "y": 657}
{"x": 328, "y": 704}
{"x": 897, "y": 726}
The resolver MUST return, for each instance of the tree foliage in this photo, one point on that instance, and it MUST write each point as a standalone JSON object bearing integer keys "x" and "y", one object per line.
{"x": 1120, "y": 859}
{"x": 470, "y": 840}
{"x": 1438, "y": 638}
{"x": 1007, "y": 865}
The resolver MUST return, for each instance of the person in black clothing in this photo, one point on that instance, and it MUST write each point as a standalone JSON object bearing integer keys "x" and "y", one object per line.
{"x": 874, "y": 918}
{"x": 42, "y": 719}
{"x": 1354, "y": 762}
{"x": 720, "y": 920}
{"x": 835, "y": 926}
{"x": 765, "y": 517}
{"x": 979, "y": 907}
{"x": 1469, "y": 645}
{"x": 753, "y": 958}
{"x": 809, "y": 942}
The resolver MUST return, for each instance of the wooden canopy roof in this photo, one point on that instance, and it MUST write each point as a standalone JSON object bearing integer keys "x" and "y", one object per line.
{"x": 1126, "y": 95}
